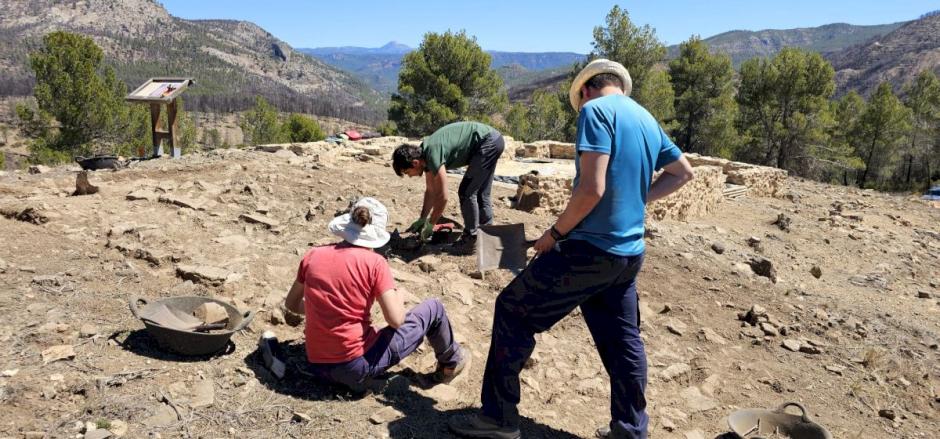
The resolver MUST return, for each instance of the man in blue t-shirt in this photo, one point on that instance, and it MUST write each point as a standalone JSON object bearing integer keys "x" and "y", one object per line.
{"x": 589, "y": 258}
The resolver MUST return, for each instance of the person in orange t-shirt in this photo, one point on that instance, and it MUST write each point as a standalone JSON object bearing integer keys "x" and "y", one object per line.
{"x": 335, "y": 289}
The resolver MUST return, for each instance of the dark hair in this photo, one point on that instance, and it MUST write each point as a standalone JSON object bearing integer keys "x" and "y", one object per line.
{"x": 403, "y": 156}
{"x": 604, "y": 79}
{"x": 361, "y": 215}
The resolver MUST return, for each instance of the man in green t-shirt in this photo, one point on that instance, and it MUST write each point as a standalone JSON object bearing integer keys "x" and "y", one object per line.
{"x": 472, "y": 144}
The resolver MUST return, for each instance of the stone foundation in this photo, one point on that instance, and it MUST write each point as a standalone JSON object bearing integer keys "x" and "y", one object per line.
{"x": 543, "y": 193}
{"x": 697, "y": 198}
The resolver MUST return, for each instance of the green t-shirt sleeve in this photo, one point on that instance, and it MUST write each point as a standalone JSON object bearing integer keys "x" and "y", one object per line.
{"x": 433, "y": 157}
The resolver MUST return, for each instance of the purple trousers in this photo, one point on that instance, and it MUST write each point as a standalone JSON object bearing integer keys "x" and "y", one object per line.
{"x": 427, "y": 319}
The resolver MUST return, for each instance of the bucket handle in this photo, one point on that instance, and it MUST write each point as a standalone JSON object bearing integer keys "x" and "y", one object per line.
{"x": 246, "y": 319}
{"x": 132, "y": 303}
{"x": 803, "y": 415}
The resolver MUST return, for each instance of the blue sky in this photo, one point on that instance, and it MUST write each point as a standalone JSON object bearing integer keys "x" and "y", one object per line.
{"x": 532, "y": 26}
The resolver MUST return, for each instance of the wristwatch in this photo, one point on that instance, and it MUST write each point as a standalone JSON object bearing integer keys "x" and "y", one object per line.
{"x": 556, "y": 235}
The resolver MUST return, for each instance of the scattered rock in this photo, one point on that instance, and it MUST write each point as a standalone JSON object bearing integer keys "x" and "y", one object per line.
{"x": 118, "y": 427}
{"x": 57, "y": 353}
{"x": 87, "y": 330}
{"x": 887, "y": 414}
{"x": 142, "y": 194}
{"x": 162, "y": 416}
{"x": 427, "y": 263}
{"x": 695, "y": 434}
{"x": 47, "y": 281}
{"x": 816, "y": 271}
{"x": 9, "y": 373}
{"x": 301, "y": 417}
{"x": 791, "y": 344}
{"x": 27, "y": 215}
{"x": 676, "y": 327}
{"x": 836, "y": 369}
{"x": 39, "y": 169}
{"x": 769, "y": 329}
{"x": 385, "y": 415}
{"x": 755, "y": 315}
{"x": 696, "y": 401}
{"x": 783, "y": 222}
{"x": 269, "y": 223}
{"x": 763, "y": 267}
{"x": 923, "y": 295}
{"x": 809, "y": 349}
{"x": 675, "y": 371}
{"x": 203, "y": 274}
{"x": 181, "y": 202}
{"x": 710, "y": 335}
{"x": 718, "y": 247}
{"x": 99, "y": 433}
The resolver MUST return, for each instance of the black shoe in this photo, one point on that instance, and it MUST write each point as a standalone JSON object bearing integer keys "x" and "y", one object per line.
{"x": 479, "y": 426}
{"x": 464, "y": 246}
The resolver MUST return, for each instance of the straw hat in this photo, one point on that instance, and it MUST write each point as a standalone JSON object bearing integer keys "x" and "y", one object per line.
{"x": 372, "y": 235}
{"x": 593, "y": 69}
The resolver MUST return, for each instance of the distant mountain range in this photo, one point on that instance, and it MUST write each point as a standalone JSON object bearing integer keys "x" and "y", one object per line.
{"x": 379, "y": 66}
{"x": 232, "y": 61}
{"x": 896, "y": 57}
{"x": 863, "y": 56}
{"x": 743, "y": 45}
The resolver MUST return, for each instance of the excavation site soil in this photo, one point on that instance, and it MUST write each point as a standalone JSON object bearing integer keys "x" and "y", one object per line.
{"x": 822, "y": 295}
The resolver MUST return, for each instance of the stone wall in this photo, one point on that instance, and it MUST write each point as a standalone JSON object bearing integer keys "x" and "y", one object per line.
{"x": 544, "y": 149}
{"x": 543, "y": 194}
{"x": 761, "y": 181}
{"x": 548, "y": 194}
{"x": 697, "y": 198}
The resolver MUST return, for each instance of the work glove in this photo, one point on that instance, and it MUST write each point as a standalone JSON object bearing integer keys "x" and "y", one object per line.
{"x": 417, "y": 226}
{"x": 427, "y": 230}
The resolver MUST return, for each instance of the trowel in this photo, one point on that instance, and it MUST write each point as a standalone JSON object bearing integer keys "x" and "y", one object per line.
{"x": 502, "y": 246}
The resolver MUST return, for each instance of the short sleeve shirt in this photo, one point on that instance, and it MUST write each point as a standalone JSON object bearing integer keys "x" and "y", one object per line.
{"x": 341, "y": 282}
{"x": 453, "y": 144}
{"x": 617, "y": 126}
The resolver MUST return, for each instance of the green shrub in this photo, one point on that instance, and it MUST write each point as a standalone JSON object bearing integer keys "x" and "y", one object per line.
{"x": 300, "y": 128}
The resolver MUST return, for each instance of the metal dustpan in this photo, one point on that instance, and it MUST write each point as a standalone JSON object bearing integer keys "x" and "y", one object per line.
{"x": 502, "y": 246}
{"x": 755, "y": 423}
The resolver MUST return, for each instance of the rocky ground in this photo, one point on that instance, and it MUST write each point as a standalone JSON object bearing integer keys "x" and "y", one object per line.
{"x": 828, "y": 297}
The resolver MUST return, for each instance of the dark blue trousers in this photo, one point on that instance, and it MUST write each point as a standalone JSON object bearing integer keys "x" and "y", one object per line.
{"x": 604, "y": 286}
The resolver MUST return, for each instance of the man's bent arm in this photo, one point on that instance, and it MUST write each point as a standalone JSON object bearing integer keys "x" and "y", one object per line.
{"x": 295, "y": 298}
{"x": 674, "y": 176}
{"x": 590, "y": 190}
{"x": 436, "y": 193}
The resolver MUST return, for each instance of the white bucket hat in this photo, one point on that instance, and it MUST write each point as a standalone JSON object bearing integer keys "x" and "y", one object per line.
{"x": 372, "y": 235}
{"x": 593, "y": 69}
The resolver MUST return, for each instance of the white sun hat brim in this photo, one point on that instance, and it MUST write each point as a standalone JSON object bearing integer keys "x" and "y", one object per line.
{"x": 372, "y": 235}
{"x": 594, "y": 68}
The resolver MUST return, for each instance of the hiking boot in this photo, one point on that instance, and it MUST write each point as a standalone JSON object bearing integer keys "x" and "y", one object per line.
{"x": 444, "y": 375}
{"x": 606, "y": 432}
{"x": 464, "y": 246}
{"x": 479, "y": 426}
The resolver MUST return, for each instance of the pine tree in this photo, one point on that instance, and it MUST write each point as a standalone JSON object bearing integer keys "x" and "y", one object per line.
{"x": 448, "y": 78}
{"x": 300, "y": 128}
{"x": 883, "y": 128}
{"x": 838, "y": 158}
{"x": 704, "y": 100}
{"x": 922, "y": 97}
{"x": 639, "y": 50}
{"x": 260, "y": 124}
{"x": 782, "y": 108}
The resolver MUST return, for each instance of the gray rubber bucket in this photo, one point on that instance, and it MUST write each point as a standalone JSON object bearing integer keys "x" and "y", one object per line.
{"x": 189, "y": 342}
{"x": 754, "y": 423}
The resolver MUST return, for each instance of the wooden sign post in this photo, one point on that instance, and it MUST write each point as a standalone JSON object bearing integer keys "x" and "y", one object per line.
{"x": 160, "y": 92}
